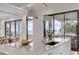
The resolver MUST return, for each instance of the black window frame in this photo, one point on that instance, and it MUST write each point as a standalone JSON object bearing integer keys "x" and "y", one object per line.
{"x": 10, "y": 26}
{"x": 63, "y": 19}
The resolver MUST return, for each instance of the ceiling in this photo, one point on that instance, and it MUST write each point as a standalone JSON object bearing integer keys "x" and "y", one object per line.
{"x": 13, "y": 9}
{"x": 21, "y": 5}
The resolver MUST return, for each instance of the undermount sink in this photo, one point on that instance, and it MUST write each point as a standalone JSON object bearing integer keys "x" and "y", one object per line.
{"x": 51, "y": 43}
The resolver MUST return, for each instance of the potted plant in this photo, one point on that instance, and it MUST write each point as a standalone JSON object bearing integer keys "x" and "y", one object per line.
{"x": 50, "y": 35}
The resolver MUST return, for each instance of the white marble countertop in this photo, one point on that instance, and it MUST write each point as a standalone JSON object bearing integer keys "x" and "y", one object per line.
{"x": 26, "y": 50}
{"x": 48, "y": 47}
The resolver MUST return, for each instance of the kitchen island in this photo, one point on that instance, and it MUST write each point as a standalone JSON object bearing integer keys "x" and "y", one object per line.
{"x": 62, "y": 48}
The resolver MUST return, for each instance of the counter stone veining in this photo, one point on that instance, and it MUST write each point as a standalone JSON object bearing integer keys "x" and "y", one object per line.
{"x": 27, "y": 50}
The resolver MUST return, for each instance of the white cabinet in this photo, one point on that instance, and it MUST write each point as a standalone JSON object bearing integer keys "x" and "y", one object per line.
{"x": 62, "y": 49}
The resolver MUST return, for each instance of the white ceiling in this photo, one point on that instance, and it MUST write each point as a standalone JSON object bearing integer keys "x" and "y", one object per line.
{"x": 12, "y": 9}
{"x": 21, "y": 5}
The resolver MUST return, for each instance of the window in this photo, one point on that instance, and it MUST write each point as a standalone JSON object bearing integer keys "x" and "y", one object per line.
{"x": 7, "y": 31}
{"x": 59, "y": 25}
{"x": 29, "y": 28}
{"x": 55, "y": 26}
{"x": 18, "y": 28}
{"x": 64, "y": 25}
{"x": 12, "y": 28}
{"x": 46, "y": 26}
{"x": 70, "y": 24}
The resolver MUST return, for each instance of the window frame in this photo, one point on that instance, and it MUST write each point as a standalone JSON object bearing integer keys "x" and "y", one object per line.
{"x": 10, "y": 26}
{"x": 54, "y": 20}
{"x": 27, "y": 19}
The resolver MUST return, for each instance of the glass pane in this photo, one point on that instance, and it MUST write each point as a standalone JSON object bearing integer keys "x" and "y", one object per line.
{"x": 59, "y": 27}
{"x": 70, "y": 24}
{"x": 53, "y": 26}
{"x": 12, "y": 29}
{"x": 46, "y": 26}
{"x": 7, "y": 29}
{"x": 30, "y": 29}
{"x": 18, "y": 29}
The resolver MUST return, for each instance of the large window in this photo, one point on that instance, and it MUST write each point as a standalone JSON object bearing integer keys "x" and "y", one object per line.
{"x": 59, "y": 25}
{"x": 18, "y": 28}
{"x": 29, "y": 28}
{"x": 7, "y": 29}
{"x": 12, "y": 24}
{"x": 63, "y": 25}
{"x": 12, "y": 28}
{"x": 70, "y": 24}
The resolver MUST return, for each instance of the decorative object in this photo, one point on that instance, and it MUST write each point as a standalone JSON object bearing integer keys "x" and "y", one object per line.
{"x": 25, "y": 42}
{"x": 50, "y": 35}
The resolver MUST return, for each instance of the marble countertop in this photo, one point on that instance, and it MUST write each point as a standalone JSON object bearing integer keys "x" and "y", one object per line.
{"x": 48, "y": 47}
{"x": 26, "y": 50}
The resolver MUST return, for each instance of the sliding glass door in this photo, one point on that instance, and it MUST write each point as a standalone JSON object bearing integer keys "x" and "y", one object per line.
{"x": 64, "y": 25}
{"x": 29, "y": 28}
{"x": 59, "y": 25}
{"x": 46, "y": 27}
{"x": 7, "y": 31}
{"x": 12, "y": 28}
{"x": 70, "y": 24}
{"x": 18, "y": 28}
{"x": 12, "y": 24}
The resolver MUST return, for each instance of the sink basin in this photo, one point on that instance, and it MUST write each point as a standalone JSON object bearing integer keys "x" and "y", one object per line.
{"x": 51, "y": 43}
